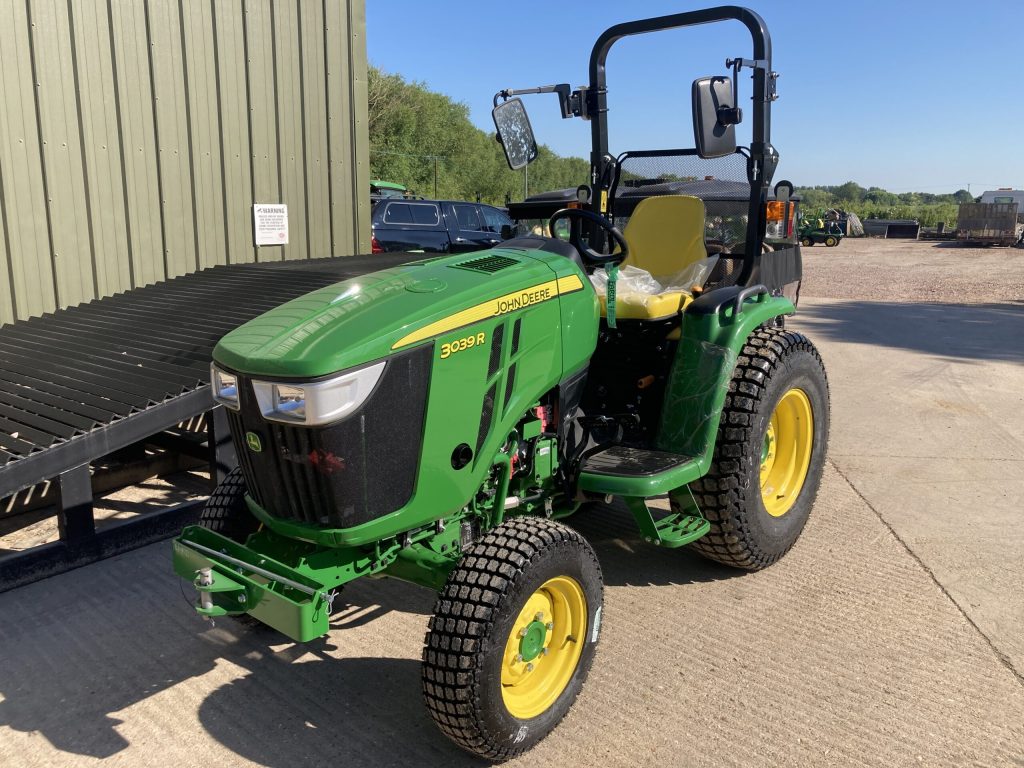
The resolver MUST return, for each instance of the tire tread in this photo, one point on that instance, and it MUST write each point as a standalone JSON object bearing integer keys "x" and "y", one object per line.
{"x": 720, "y": 494}
{"x": 226, "y": 512}
{"x": 461, "y": 630}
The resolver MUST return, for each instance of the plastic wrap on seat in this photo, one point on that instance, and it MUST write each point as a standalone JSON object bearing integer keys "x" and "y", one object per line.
{"x": 640, "y": 295}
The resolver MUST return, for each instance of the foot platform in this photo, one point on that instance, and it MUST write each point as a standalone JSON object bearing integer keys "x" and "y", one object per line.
{"x": 678, "y": 529}
{"x": 623, "y": 471}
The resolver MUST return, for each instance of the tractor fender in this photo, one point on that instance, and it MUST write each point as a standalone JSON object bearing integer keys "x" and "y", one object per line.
{"x": 715, "y": 327}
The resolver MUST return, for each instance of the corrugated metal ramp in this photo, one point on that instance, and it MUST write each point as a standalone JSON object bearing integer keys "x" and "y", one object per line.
{"x": 80, "y": 383}
{"x": 83, "y": 381}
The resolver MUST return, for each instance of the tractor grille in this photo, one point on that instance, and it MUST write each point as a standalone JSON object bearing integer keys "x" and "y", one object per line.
{"x": 342, "y": 474}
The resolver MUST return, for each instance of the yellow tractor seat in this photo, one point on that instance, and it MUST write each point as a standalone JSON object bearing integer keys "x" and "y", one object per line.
{"x": 665, "y": 235}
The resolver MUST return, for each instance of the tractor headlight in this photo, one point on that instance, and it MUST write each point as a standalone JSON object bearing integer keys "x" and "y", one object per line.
{"x": 289, "y": 400}
{"x": 319, "y": 402}
{"x": 225, "y": 387}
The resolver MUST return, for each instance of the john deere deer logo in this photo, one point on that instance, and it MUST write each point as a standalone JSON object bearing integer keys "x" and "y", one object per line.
{"x": 253, "y": 441}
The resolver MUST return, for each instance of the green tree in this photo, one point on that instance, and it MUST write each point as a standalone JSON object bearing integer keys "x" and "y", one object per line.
{"x": 815, "y": 197}
{"x": 850, "y": 192}
{"x": 417, "y": 136}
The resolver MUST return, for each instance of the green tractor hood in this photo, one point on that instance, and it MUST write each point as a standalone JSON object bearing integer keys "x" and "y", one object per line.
{"x": 369, "y": 317}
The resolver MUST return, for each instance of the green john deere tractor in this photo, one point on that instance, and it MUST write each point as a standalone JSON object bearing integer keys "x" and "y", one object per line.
{"x": 438, "y": 421}
{"x": 827, "y": 232}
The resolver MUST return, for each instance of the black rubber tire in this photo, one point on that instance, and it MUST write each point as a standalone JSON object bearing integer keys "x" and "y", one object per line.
{"x": 831, "y": 241}
{"x": 474, "y": 615}
{"x": 226, "y": 512}
{"x": 743, "y": 534}
{"x": 806, "y": 242}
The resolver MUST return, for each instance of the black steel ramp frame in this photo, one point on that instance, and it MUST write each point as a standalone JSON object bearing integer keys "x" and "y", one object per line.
{"x": 80, "y": 383}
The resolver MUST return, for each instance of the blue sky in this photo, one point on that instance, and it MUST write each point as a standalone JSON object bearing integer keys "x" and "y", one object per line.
{"x": 916, "y": 95}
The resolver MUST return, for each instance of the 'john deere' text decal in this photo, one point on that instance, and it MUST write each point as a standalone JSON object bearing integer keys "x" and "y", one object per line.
{"x": 501, "y": 305}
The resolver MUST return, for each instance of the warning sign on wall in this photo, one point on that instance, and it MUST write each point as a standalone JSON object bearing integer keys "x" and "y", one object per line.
{"x": 270, "y": 221}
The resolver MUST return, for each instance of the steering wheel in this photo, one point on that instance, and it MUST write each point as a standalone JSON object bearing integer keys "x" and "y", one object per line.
{"x": 588, "y": 253}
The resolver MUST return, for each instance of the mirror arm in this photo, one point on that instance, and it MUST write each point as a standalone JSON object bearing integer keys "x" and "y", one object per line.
{"x": 738, "y": 64}
{"x": 572, "y": 103}
{"x": 507, "y": 93}
{"x": 562, "y": 89}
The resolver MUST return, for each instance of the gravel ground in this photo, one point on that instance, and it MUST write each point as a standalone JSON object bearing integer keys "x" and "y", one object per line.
{"x": 873, "y": 269}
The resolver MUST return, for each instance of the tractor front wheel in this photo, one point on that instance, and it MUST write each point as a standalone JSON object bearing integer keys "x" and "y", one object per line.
{"x": 226, "y": 512}
{"x": 512, "y": 637}
{"x": 806, "y": 242}
{"x": 769, "y": 454}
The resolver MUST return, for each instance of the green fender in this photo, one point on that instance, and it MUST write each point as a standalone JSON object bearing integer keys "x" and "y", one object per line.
{"x": 714, "y": 330}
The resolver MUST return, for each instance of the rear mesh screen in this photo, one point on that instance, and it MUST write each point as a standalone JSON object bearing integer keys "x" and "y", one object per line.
{"x": 720, "y": 182}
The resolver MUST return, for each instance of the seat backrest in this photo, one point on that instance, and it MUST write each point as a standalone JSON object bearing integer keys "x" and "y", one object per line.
{"x": 666, "y": 234}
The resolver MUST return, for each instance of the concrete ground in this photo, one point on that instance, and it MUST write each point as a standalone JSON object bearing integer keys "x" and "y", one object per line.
{"x": 889, "y": 636}
{"x": 927, "y": 374}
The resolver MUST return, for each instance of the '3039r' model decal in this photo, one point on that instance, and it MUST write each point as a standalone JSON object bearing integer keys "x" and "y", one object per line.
{"x": 459, "y": 345}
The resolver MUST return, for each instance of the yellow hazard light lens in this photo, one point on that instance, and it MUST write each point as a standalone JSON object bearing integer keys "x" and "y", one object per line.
{"x": 774, "y": 215}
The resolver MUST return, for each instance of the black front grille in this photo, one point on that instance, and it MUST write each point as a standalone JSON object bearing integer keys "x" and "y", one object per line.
{"x": 342, "y": 474}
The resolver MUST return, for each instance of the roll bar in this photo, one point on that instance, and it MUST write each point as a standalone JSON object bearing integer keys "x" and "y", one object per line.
{"x": 762, "y": 158}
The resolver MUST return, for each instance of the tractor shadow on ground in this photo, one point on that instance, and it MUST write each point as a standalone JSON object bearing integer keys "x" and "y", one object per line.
{"x": 72, "y": 656}
{"x": 275, "y": 715}
{"x": 627, "y": 560}
{"x": 971, "y": 332}
{"x": 77, "y": 650}
{"x": 291, "y": 715}
{"x": 72, "y": 660}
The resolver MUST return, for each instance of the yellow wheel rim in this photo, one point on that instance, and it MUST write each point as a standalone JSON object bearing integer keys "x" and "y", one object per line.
{"x": 786, "y": 452}
{"x": 544, "y": 647}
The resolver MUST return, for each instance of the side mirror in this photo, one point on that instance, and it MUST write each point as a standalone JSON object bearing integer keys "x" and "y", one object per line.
{"x": 715, "y": 116}
{"x": 508, "y": 231}
{"x": 515, "y": 134}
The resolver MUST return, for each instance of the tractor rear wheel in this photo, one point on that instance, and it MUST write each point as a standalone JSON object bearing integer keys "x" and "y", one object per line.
{"x": 831, "y": 241}
{"x": 226, "y": 512}
{"x": 512, "y": 637}
{"x": 769, "y": 453}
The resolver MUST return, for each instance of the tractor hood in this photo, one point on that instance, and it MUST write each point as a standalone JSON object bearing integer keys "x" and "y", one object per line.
{"x": 369, "y": 317}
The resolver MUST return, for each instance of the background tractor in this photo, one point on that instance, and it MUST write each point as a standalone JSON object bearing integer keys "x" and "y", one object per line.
{"x": 437, "y": 422}
{"x": 824, "y": 230}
